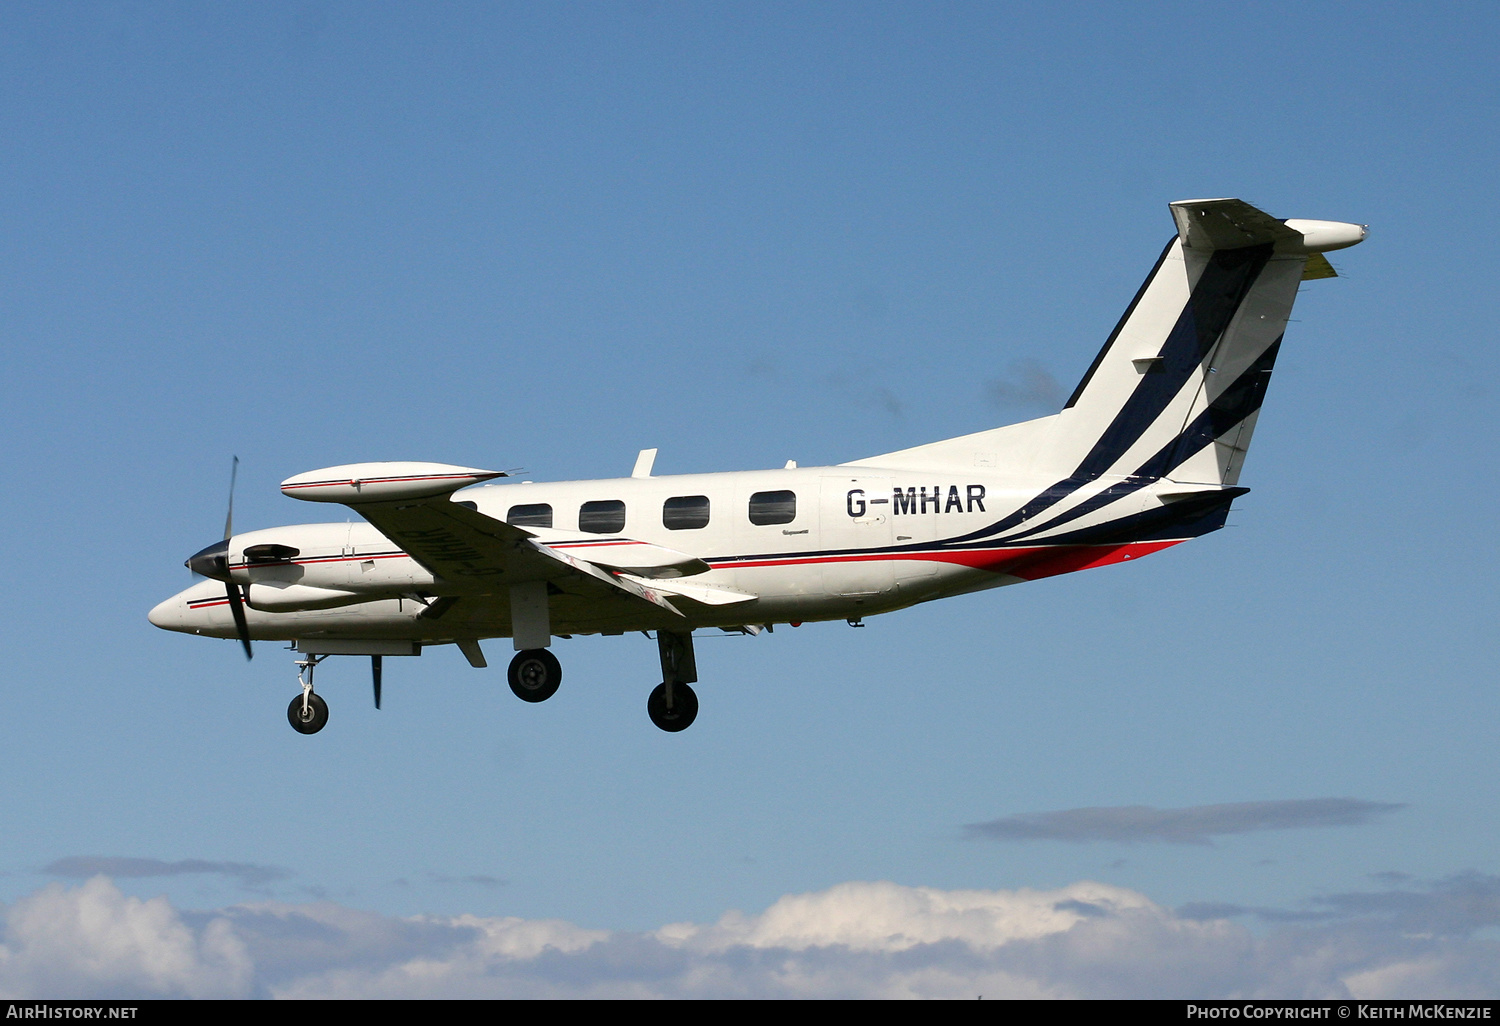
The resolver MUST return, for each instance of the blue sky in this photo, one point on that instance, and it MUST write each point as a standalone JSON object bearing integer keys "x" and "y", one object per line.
{"x": 547, "y": 236}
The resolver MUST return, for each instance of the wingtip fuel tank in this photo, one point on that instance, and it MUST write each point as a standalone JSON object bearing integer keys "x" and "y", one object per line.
{"x": 382, "y": 482}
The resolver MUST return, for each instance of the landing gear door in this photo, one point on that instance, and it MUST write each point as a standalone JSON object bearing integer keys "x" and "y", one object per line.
{"x": 854, "y": 526}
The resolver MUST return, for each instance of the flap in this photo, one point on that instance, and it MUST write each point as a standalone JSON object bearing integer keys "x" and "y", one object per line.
{"x": 707, "y": 594}
{"x": 627, "y": 555}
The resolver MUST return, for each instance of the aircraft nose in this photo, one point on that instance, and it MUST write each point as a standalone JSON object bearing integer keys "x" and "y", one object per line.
{"x": 169, "y": 615}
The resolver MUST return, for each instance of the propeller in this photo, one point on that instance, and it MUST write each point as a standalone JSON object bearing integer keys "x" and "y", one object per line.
{"x": 237, "y": 610}
{"x": 213, "y": 561}
{"x": 375, "y": 674}
{"x": 237, "y": 598}
{"x": 234, "y": 472}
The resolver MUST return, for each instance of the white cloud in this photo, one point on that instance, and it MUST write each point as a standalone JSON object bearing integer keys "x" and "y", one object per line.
{"x": 877, "y": 940}
{"x": 889, "y": 917}
{"x": 93, "y": 941}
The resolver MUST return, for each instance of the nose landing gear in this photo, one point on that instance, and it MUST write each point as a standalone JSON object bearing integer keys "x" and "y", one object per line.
{"x": 308, "y": 713}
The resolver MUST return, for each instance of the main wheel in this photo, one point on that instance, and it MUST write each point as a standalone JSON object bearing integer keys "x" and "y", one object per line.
{"x": 310, "y": 720}
{"x": 683, "y": 712}
{"x": 534, "y": 675}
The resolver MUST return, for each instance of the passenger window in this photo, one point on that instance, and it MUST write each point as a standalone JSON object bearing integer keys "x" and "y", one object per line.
{"x": 536, "y": 514}
{"x": 773, "y": 507}
{"x": 685, "y": 512}
{"x": 606, "y": 516}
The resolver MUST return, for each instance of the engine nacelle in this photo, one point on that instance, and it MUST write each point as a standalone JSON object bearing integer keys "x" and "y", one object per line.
{"x": 330, "y": 565}
{"x": 279, "y": 597}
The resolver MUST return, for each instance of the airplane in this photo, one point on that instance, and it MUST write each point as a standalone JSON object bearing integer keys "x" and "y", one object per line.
{"x": 1146, "y": 453}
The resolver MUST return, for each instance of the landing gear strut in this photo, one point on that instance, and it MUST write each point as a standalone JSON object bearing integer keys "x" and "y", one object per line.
{"x": 308, "y": 713}
{"x": 534, "y": 675}
{"x": 673, "y": 705}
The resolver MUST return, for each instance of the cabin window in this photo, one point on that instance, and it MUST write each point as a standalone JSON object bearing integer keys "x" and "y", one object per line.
{"x": 536, "y": 514}
{"x": 607, "y": 516}
{"x": 773, "y": 507}
{"x": 685, "y": 512}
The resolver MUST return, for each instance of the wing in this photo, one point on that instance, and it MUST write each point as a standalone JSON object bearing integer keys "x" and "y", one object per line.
{"x": 470, "y": 553}
{"x": 476, "y": 554}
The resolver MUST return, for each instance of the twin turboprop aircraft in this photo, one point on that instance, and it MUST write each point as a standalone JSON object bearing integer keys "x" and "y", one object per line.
{"x": 1145, "y": 454}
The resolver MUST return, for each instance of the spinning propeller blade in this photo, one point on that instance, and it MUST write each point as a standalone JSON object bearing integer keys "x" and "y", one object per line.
{"x": 234, "y": 472}
{"x": 237, "y": 598}
{"x": 237, "y": 610}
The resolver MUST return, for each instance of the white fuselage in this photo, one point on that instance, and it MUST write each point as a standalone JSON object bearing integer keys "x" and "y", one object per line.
{"x": 853, "y": 541}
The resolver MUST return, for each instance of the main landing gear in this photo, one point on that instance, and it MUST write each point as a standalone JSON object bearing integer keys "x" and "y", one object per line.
{"x": 308, "y": 713}
{"x": 534, "y": 675}
{"x": 673, "y": 705}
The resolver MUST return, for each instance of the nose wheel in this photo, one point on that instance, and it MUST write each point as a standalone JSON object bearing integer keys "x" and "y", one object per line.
{"x": 308, "y": 713}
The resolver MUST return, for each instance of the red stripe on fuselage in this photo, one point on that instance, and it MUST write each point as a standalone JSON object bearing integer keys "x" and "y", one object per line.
{"x": 1064, "y": 560}
{"x": 1027, "y": 563}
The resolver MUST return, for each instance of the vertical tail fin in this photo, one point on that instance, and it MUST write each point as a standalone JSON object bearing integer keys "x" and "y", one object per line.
{"x": 1174, "y": 394}
{"x": 1176, "y": 389}
{"x": 1173, "y": 397}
